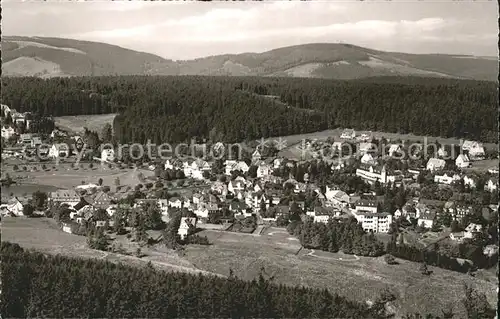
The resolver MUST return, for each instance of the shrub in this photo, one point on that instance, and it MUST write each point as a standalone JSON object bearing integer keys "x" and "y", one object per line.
{"x": 390, "y": 260}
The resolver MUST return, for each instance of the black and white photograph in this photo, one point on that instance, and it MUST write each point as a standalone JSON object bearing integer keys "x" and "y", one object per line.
{"x": 249, "y": 159}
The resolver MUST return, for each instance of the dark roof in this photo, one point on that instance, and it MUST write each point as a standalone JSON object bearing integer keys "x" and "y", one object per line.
{"x": 81, "y": 204}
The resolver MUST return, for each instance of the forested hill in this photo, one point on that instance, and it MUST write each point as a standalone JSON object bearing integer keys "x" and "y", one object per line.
{"x": 231, "y": 109}
{"x": 51, "y": 57}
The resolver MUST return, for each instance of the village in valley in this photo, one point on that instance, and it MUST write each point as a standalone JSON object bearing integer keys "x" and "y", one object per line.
{"x": 340, "y": 197}
{"x": 422, "y": 200}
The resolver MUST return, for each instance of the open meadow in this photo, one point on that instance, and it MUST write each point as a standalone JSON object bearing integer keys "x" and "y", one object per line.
{"x": 76, "y": 124}
{"x": 43, "y": 234}
{"x": 360, "y": 278}
{"x": 63, "y": 175}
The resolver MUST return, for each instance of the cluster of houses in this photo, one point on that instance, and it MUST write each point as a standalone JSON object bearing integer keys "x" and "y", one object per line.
{"x": 264, "y": 196}
{"x": 18, "y": 119}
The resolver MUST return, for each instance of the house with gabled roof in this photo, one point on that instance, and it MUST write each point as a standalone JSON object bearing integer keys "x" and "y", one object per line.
{"x": 235, "y": 186}
{"x": 491, "y": 185}
{"x": 58, "y": 150}
{"x": 446, "y": 179}
{"x": 175, "y": 202}
{"x": 472, "y": 229}
{"x": 13, "y": 207}
{"x": 187, "y": 223}
{"x": 100, "y": 200}
{"x": 475, "y": 149}
{"x": 256, "y": 156}
{"x": 231, "y": 165}
{"x": 264, "y": 170}
{"x": 426, "y": 219}
{"x": 348, "y": 134}
{"x": 435, "y": 164}
{"x": 173, "y": 164}
{"x": 8, "y": 132}
{"x": 368, "y": 158}
{"x": 462, "y": 161}
{"x": 64, "y": 196}
{"x": 394, "y": 149}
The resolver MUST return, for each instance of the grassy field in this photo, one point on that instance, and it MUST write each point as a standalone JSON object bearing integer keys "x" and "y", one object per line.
{"x": 76, "y": 124}
{"x": 63, "y": 176}
{"x": 483, "y": 166}
{"x": 43, "y": 234}
{"x": 361, "y": 279}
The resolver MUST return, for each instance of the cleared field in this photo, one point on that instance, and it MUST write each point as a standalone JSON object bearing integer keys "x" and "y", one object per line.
{"x": 292, "y": 141}
{"x": 358, "y": 278}
{"x": 361, "y": 279}
{"x": 76, "y": 124}
{"x": 67, "y": 177}
{"x": 483, "y": 166}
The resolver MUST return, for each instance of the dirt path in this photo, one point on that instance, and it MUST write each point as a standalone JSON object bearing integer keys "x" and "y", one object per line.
{"x": 311, "y": 254}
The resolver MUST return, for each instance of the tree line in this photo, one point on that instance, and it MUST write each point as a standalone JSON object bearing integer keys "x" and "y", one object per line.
{"x": 176, "y": 109}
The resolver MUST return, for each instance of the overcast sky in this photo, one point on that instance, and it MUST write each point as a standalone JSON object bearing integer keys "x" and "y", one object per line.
{"x": 185, "y": 30}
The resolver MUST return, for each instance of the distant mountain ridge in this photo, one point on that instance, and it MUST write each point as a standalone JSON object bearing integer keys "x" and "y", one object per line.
{"x": 50, "y": 57}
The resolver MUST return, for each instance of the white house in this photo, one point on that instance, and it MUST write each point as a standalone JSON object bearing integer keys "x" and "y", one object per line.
{"x": 426, "y": 219}
{"x": 337, "y": 197}
{"x": 219, "y": 188}
{"x": 277, "y": 163}
{"x": 435, "y": 164}
{"x": 472, "y": 229}
{"x": 5, "y": 110}
{"x": 348, "y": 134}
{"x": 475, "y": 149}
{"x": 196, "y": 168}
{"x": 186, "y": 224}
{"x": 59, "y": 150}
{"x": 364, "y": 137}
{"x": 446, "y": 179}
{"x": 373, "y": 221}
{"x": 371, "y": 174}
{"x": 63, "y": 196}
{"x": 442, "y": 152}
{"x": 394, "y": 149}
{"x": 8, "y": 132}
{"x": 175, "y": 202}
{"x": 107, "y": 155}
{"x": 469, "y": 181}
{"x": 367, "y": 159}
{"x": 256, "y": 156}
{"x": 14, "y": 206}
{"x": 491, "y": 185}
{"x": 264, "y": 170}
{"x": 173, "y": 164}
{"x": 462, "y": 161}
{"x": 364, "y": 148}
{"x": 236, "y": 186}
{"x": 459, "y": 236}
{"x": 236, "y": 166}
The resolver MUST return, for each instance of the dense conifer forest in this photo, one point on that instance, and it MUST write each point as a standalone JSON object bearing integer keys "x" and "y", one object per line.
{"x": 35, "y": 285}
{"x": 232, "y": 109}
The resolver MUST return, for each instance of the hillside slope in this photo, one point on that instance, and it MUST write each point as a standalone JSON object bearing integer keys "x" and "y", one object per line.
{"x": 48, "y": 57}
{"x": 74, "y": 58}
